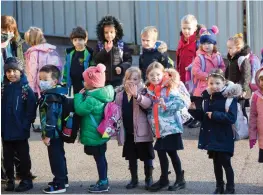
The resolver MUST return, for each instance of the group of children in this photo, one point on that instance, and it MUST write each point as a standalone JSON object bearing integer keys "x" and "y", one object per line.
{"x": 152, "y": 100}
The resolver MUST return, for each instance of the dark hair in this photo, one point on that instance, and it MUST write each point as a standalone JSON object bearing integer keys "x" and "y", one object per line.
{"x": 217, "y": 73}
{"x": 78, "y": 32}
{"x": 55, "y": 72}
{"x": 109, "y": 21}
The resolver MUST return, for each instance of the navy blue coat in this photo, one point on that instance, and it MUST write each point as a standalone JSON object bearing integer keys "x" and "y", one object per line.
{"x": 18, "y": 109}
{"x": 216, "y": 134}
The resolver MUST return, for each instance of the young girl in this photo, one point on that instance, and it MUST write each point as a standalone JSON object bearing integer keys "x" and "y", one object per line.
{"x": 166, "y": 122}
{"x": 216, "y": 133}
{"x": 256, "y": 113}
{"x": 136, "y": 136}
{"x": 239, "y": 69}
{"x": 89, "y": 104}
{"x": 111, "y": 50}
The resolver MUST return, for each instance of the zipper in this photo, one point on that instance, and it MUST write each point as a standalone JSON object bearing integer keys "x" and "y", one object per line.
{"x": 17, "y": 102}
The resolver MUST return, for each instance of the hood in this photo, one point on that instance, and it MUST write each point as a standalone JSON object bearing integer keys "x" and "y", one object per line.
{"x": 68, "y": 50}
{"x": 45, "y": 47}
{"x": 23, "y": 80}
{"x": 161, "y": 46}
{"x": 243, "y": 52}
{"x": 257, "y": 74}
{"x": 104, "y": 94}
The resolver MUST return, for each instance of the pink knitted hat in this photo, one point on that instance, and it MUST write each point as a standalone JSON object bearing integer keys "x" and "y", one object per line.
{"x": 94, "y": 76}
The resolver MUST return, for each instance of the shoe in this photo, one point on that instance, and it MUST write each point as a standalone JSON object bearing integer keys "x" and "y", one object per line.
{"x": 54, "y": 189}
{"x": 179, "y": 183}
{"x": 229, "y": 191}
{"x": 37, "y": 130}
{"x": 134, "y": 179}
{"x": 24, "y": 185}
{"x": 161, "y": 183}
{"x": 220, "y": 188}
{"x": 194, "y": 124}
{"x": 101, "y": 186}
{"x": 52, "y": 183}
{"x": 10, "y": 185}
{"x": 148, "y": 171}
{"x": 188, "y": 122}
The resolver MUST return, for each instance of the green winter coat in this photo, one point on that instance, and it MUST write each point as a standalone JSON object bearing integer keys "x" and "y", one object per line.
{"x": 92, "y": 102}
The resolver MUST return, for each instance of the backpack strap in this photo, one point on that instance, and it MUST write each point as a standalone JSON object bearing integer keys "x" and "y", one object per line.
{"x": 218, "y": 61}
{"x": 203, "y": 65}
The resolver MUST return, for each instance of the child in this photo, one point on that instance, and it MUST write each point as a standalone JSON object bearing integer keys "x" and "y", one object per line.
{"x": 237, "y": 52}
{"x": 136, "y": 136}
{"x": 18, "y": 111}
{"x": 166, "y": 122}
{"x": 152, "y": 50}
{"x": 78, "y": 59}
{"x": 111, "y": 50}
{"x": 50, "y": 110}
{"x": 89, "y": 104}
{"x": 216, "y": 133}
{"x": 256, "y": 110}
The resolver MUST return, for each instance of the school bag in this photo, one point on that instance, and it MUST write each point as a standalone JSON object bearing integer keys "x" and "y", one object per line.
{"x": 240, "y": 128}
{"x": 111, "y": 122}
{"x": 255, "y": 66}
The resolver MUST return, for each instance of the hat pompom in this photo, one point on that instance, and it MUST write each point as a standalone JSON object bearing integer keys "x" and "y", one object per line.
{"x": 101, "y": 67}
{"x": 215, "y": 29}
{"x": 202, "y": 30}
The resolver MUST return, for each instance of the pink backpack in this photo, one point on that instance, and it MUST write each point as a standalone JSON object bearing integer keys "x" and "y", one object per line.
{"x": 52, "y": 58}
{"x": 111, "y": 123}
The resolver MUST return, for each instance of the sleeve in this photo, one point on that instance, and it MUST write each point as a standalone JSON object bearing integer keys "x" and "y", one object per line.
{"x": 32, "y": 69}
{"x": 127, "y": 57}
{"x": 91, "y": 60}
{"x": 222, "y": 65}
{"x": 144, "y": 101}
{"x": 52, "y": 118}
{"x": 65, "y": 69}
{"x": 245, "y": 75}
{"x": 229, "y": 117}
{"x": 164, "y": 60}
{"x": 83, "y": 106}
{"x": 253, "y": 118}
{"x": 198, "y": 114}
{"x": 102, "y": 56}
{"x": 197, "y": 69}
{"x": 30, "y": 109}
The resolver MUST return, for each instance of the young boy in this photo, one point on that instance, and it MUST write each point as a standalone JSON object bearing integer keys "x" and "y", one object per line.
{"x": 152, "y": 50}
{"x": 78, "y": 59}
{"x": 50, "y": 116}
{"x": 18, "y": 112}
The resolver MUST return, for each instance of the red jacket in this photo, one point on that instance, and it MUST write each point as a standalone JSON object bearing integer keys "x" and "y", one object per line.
{"x": 185, "y": 54}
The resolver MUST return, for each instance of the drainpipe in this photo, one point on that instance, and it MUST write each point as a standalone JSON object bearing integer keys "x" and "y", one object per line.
{"x": 248, "y": 23}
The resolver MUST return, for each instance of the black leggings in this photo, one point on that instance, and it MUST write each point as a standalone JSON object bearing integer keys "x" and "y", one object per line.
{"x": 223, "y": 160}
{"x": 164, "y": 163}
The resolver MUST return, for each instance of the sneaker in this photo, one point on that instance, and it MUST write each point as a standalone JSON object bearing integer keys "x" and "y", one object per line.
{"x": 37, "y": 130}
{"x": 24, "y": 185}
{"x": 10, "y": 185}
{"x": 52, "y": 183}
{"x": 101, "y": 186}
{"x": 54, "y": 189}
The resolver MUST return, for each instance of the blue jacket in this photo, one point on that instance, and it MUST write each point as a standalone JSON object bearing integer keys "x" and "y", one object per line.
{"x": 216, "y": 134}
{"x": 50, "y": 109}
{"x": 18, "y": 109}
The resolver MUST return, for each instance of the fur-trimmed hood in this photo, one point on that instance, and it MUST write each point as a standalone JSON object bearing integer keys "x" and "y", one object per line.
{"x": 257, "y": 74}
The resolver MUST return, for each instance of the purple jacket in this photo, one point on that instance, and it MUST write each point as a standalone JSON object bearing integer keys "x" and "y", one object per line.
{"x": 142, "y": 129}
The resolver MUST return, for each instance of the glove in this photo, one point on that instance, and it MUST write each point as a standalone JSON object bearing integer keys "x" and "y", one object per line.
{"x": 252, "y": 142}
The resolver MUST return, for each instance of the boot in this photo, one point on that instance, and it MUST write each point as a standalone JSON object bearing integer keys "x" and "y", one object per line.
{"x": 161, "y": 183}
{"x": 220, "y": 187}
{"x": 230, "y": 189}
{"x": 179, "y": 183}
{"x": 148, "y": 170}
{"x": 134, "y": 179}
{"x": 10, "y": 185}
{"x": 24, "y": 185}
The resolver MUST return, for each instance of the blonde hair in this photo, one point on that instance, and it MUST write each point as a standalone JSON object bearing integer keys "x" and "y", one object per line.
{"x": 129, "y": 72}
{"x": 150, "y": 30}
{"x": 189, "y": 19}
{"x": 9, "y": 23}
{"x": 34, "y": 36}
{"x": 238, "y": 41}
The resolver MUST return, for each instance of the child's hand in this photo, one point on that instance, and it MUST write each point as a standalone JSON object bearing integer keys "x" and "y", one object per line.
{"x": 82, "y": 91}
{"x": 252, "y": 142}
{"x": 108, "y": 45}
{"x": 133, "y": 90}
{"x": 192, "y": 106}
{"x": 46, "y": 141}
{"x": 162, "y": 102}
{"x": 209, "y": 114}
{"x": 118, "y": 70}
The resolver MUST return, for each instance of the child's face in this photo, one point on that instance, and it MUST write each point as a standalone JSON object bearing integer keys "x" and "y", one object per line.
{"x": 232, "y": 49}
{"x": 215, "y": 84}
{"x": 188, "y": 29}
{"x": 79, "y": 43}
{"x": 13, "y": 75}
{"x": 148, "y": 41}
{"x": 208, "y": 47}
{"x": 133, "y": 79}
{"x": 46, "y": 81}
{"x": 261, "y": 82}
{"x": 155, "y": 76}
{"x": 109, "y": 33}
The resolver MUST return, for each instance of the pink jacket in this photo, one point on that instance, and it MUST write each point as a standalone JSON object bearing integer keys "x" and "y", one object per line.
{"x": 142, "y": 129}
{"x": 256, "y": 115}
{"x": 35, "y": 60}
{"x": 211, "y": 62}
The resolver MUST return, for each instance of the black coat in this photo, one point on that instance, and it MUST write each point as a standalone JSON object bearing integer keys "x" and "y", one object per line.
{"x": 216, "y": 134}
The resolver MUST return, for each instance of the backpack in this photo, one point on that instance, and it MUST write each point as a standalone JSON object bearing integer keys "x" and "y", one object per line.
{"x": 111, "y": 122}
{"x": 255, "y": 66}
{"x": 240, "y": 128}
